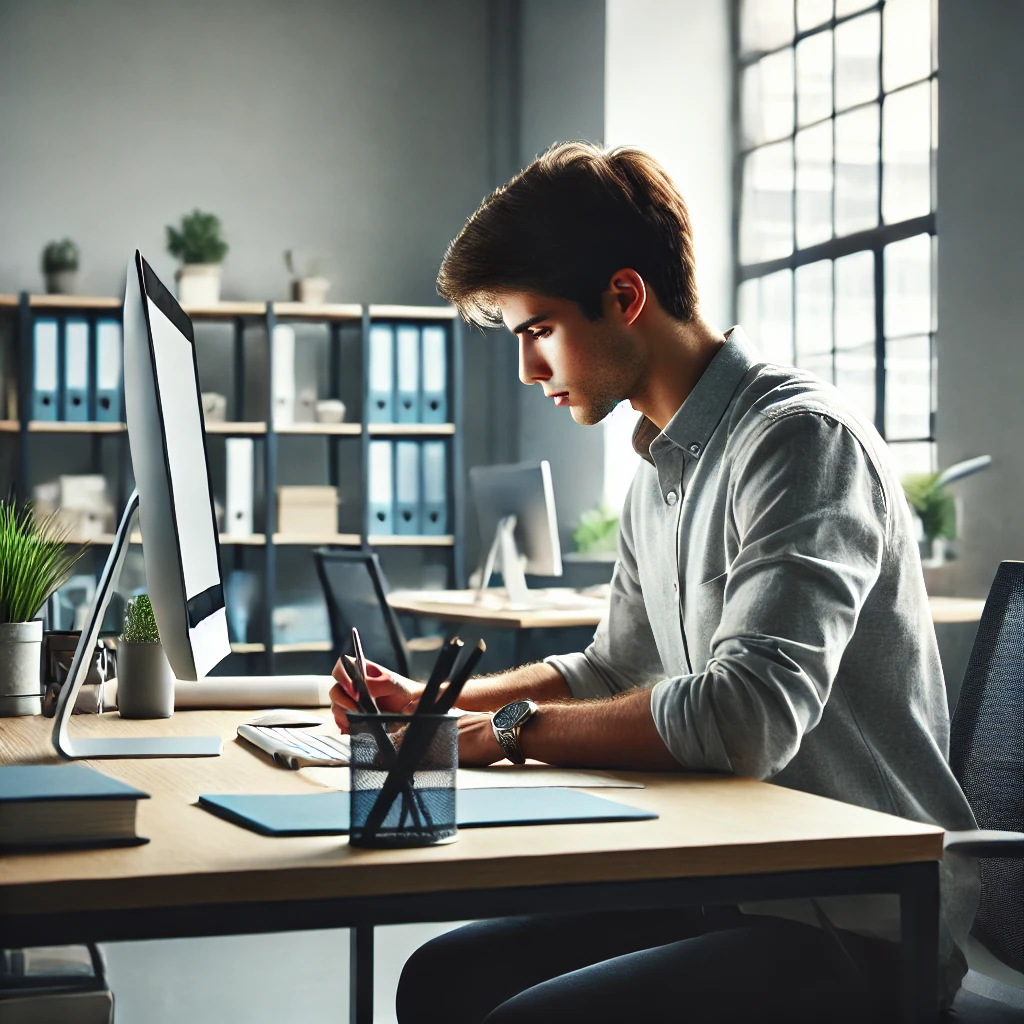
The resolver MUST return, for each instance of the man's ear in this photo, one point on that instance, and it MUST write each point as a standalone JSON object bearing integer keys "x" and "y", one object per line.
{"x": 629, "y": 293}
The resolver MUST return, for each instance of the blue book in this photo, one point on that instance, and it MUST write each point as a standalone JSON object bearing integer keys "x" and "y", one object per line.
{"x": 65, "y": 805}
{"x": 327, "y": 814}
{"x": 109, "y": 349}
{"x": 381, "y": 379}
{"x": 44, "y": 370}
{"x": 407, "y": 373}
{"x": 407, "y": 487}
{"x": 76, "y": 371}
{"x": 380, "y": 488}
{"x": 434, "y": 513}
{"x": 435, "y": 374}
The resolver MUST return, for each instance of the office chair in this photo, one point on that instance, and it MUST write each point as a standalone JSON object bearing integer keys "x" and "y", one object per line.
{"x": 986, "y": 754}
{"x": 356, "y": 594}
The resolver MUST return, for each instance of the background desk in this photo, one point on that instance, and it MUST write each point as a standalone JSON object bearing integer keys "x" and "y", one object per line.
{"x": 718, "y": 839}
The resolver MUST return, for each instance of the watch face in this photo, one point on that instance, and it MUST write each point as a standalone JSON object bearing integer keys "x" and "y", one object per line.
{"x": 510, "y": 714}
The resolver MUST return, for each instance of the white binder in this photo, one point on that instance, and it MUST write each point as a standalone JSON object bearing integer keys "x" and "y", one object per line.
{"x": 241, "y": 474}
{"x": 283, "y": 375}
{"x": 109, "y": 352}
{"x": 381, "y": 374}
{"x": 407, "y": 374}
{"x": 76, "y": 371}
{"x": 434, "y": 515}
{"x": 435, "y": 375}
{"x": 407, "y": 487}
{"x": 380, "y": 493}
{"x": 44, "y": 376}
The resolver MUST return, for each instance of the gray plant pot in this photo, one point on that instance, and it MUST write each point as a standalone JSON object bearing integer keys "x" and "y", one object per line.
{"x": 61, "y": 282}
{"x": 145, "y": 682}
{"x": 21, "y": 686}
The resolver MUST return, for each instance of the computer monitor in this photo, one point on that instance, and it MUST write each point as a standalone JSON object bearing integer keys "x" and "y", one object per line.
{"x": 516, "y": 510}
{"x": 177, "y": 519}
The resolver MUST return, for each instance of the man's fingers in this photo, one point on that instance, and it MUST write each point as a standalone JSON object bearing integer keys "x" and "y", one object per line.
{"x": 341, "y": 698}
{"x": 343, "y": 678}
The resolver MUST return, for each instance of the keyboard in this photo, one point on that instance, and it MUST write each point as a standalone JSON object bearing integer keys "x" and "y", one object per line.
{"x": 296, "y": 748}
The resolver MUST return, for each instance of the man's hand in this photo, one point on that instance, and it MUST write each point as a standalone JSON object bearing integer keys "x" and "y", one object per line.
{"x": 477, "y": 745}
{"x": 393, "y": 693}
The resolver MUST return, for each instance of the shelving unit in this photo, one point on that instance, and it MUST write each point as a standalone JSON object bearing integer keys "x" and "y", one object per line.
{"x": 355, "y": 320}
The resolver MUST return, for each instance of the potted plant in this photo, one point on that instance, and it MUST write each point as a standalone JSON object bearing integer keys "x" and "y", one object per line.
{"x": 145, "y": 682}
{"x": 35, "y": 560}
{"x": 308, "y": 282}
{"x": 60, "y": 267}
{"x": 598, "y": 532}
{"x": 200, "y": 246}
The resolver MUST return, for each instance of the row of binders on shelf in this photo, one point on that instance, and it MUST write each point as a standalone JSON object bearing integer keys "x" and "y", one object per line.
{"x": 408, "y": 488}
{"x": 408, "y": 373}
{"x": 76, "y": 375}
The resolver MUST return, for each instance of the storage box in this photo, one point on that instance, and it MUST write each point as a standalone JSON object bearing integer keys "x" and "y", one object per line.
{"x": 307, "y": 511}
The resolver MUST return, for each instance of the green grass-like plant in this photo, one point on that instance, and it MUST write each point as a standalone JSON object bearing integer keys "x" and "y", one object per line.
{"x": 933, "y": 503}
{"x": 139, "y": 622}
{"x": 35, "y": 560}
{"x": 199, "y": 239}
{"x": 58, "y": 256}
{"x": 598, "y": 530}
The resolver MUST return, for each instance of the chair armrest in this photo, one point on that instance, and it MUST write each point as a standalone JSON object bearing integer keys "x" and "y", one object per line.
{"x": 985, "y": 842}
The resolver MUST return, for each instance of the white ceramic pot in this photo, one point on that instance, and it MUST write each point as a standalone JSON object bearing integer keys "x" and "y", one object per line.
{"x": 312, "y": 289}
{"x": 21, "y": 686}
{"x": 145, "y": 682}
{"x": 198, "y": 284}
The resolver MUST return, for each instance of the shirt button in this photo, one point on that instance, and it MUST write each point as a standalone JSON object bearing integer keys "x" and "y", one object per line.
{"x": 695, "y": 448}
{"x": 671, "y": 497}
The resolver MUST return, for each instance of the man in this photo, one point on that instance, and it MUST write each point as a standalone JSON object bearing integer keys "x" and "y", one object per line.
{"x": 767, "y": 617}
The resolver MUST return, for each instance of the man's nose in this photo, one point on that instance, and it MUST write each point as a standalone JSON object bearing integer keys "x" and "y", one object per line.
{"x": 532, "y": 367}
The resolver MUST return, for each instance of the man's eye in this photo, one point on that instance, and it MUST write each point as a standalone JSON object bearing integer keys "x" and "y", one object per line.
{"x": 541, "y": 332}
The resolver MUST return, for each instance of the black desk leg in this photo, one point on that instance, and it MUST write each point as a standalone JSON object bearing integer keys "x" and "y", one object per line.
{"x": 360, "y": 975}
{"x": 919, "y": 925}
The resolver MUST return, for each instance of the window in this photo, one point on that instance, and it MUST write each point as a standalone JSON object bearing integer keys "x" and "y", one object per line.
{"x": 836, "y": 229}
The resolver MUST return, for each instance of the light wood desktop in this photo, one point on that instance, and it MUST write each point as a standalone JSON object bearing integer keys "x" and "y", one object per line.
{"x": 717, "y": 839}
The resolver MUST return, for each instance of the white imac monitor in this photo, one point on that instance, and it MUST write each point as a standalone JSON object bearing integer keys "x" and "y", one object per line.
{"x": 515, "y": 506}
{"x": 175, "y": 504}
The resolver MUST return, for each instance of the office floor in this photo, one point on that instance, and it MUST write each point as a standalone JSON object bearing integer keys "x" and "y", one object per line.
{"x": 258, "y": 979}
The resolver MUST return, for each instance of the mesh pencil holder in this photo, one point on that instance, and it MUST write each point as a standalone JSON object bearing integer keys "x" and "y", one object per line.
{"x": 403, "y": 779}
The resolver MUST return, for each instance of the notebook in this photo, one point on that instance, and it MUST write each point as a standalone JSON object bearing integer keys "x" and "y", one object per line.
{"x": 45, "y": 806}
{"x": 327, "y": 814}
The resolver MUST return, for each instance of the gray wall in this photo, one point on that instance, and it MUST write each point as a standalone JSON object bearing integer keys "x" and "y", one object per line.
{"x": 981, "y": 302}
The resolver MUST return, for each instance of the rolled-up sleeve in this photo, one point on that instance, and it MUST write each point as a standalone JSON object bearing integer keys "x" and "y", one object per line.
{"x": 623, "y": 654}
{"x": 810, "y": 525}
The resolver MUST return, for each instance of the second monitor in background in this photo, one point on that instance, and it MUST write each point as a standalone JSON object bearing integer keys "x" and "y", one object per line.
{"x": 515, "y": 507}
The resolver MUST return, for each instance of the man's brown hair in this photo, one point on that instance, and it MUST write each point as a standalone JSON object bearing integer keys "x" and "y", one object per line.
{"x": 564, "y": 225}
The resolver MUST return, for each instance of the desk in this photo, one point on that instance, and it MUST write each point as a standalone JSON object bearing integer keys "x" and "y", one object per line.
{"x": 718, "y": 840}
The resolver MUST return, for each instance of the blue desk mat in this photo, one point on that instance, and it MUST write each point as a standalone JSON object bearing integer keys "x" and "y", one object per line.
{"x": 327, "y": 814}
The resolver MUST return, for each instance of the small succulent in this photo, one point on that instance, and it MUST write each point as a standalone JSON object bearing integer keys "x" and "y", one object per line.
{"x": 58, "y": 256}
{"x": 140, "y": 622}
{"x": 198, "y": 240}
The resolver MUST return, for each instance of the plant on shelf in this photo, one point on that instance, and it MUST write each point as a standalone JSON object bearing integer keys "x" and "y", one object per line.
{"x": 35, "y": 561}
{"x": 60, "y": 267}
{"x": 598, "y": 531}
{"x": 200, "y": 246}
{"x": 145, "y": 682}
{"x": 308, "y": 282}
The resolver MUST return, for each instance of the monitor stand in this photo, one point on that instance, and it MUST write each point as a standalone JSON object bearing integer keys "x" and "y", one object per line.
{"x": 504, "y": 555}
{"x": 129, "y": 746}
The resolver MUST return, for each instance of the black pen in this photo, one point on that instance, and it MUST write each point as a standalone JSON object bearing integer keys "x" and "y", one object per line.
{"x": 442, "y": 667}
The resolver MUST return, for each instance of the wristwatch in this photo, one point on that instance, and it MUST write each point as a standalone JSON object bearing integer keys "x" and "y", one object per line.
{"x": 506, "y": 723}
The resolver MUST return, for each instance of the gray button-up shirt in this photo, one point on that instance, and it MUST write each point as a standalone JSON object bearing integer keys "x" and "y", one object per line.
{"x": 769, "y": 591}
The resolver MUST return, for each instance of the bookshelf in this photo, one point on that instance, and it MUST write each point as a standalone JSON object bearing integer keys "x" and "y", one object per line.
{"x": 347, "y": 327}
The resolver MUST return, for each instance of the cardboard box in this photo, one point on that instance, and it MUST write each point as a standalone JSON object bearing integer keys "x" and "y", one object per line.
{"x": 307, "y": 511}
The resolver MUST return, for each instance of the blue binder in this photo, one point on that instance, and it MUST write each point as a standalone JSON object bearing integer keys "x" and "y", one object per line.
{"x": 381, "y": 374}
{"x": 407, "y": 487}
{"x": 407, "y": 373}
{"x": 435, "y": 488}
{"x": 76, "y": 371}
{"x": 380, "y": 494}
{"x": 435, "y": 375}
{"x": 109, "y": 349}
{"x": 44, "y": 374}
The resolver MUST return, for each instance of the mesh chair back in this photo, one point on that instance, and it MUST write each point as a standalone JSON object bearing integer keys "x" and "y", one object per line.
{"x": 986, "y": 754}
{"x": 356, "y": 594}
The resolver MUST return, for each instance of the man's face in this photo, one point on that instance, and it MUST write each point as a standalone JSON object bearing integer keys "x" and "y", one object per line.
{"x": 589, "y": 366}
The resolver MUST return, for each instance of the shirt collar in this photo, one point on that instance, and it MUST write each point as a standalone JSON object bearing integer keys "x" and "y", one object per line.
{"x": 695, "y": 421}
